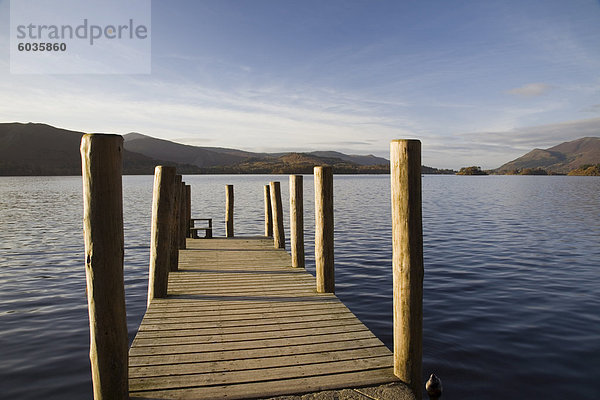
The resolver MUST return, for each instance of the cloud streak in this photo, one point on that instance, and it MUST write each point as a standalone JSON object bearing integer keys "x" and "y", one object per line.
{"x": 531, "y": 90}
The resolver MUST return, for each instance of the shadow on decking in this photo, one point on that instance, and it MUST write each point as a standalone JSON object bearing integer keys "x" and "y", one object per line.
{"x": 325, "y": 297}
{"x": 240, "y": 271}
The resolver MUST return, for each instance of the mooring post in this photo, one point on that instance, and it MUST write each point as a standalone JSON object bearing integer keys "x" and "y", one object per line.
{"x": 182, "y": 216}
{"x": 161, "y": 232}
{"x": 102, "y": 164}
{"x": 188, "y": 210}
{"x": 229, "y": 211}
{"x": 176, "y": 194}
{"x": 433, "y": 387}
{"x": 268, "y": 213}
{"x": 324, "y": 229}
{"x": 407, "y": 237}
{"x": 277, "y": 211}
{"x": 297, "y": 221}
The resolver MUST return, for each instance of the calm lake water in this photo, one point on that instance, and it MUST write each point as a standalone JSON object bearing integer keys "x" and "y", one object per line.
{"x": 511, "y": 292}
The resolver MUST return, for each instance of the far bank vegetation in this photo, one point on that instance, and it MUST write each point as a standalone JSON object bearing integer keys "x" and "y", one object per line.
{"x": 471, "y": 171}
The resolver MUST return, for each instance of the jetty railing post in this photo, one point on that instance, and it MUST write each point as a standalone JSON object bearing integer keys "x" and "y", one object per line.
{"x": 297, "y": 221}
{"x": 161, "y": 231}
{"x": 102, "y": 165}
{"x": 268, "y": 213}
{"x": 182, "y": 216}
{"x": 277, "y": 211}
{"x": 324, "y": 229}
{"x": 176, "y": 194}
{"x": 229, "y": 211}
{"x": 407, "y": 236}
{"x": 188, "y": 210}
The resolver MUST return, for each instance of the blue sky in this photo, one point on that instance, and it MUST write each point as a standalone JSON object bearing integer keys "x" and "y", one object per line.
{"x": 479, "y": 82}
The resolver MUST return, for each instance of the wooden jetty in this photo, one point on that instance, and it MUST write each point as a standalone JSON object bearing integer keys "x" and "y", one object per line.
{"x": 240, "y": 318}
{"x": 239, "y": 322}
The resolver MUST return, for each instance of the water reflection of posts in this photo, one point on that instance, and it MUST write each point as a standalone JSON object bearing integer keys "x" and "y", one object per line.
{"x": 324, "y": 229}
{"x": 407, "y": 236}
{"x": 277, "y": 211}
{"x": 102, "y": 164}
{"x": 268, "y": 213}
{"x": 229, "y": 211}
{"x": 296, "y": 221}
{"x": 161, "y": 231}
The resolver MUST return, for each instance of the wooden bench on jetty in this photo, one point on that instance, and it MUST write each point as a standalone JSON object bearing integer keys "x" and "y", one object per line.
{"x": 208, "y": 229}
{"x": 240, "y": 318}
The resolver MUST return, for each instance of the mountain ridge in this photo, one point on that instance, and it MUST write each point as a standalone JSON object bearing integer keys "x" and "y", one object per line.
{"x": 561, "y": 158}
{"x": 41, "y": 149}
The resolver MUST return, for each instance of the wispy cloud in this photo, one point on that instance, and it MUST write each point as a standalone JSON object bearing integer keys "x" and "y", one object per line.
{"x": 531, "y": 90}
{"x": 594, "y": 108}
{"x": 494, "y": 148}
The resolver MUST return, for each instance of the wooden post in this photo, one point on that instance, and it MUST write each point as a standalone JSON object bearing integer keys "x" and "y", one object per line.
{"x": 268, "y": 213}
{"x": 188, "y": 210}
{"x": 229, "y": 211}
{"x": 407, "y": 236}
{"x": 296, "y": 221}
{"x": 161, "y": 232}
{"x": 176, "y": 194}
{"x": 277, "y": 211}
{"x": 182, "y": 216}
{"x": 102, "y": 164}
{"x": 433, "y": 387}
{"x": 324, "y": 229}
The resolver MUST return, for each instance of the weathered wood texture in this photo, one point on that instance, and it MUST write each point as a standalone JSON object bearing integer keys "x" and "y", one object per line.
{"x": 407, "y": 236}
{"x": 161, "y": 231}
{"x": 176, "y": 194}
{"x": 277, "y": 211}
{"x": 188, "y": 210}
{"x": 325, "y": 271}
{"x": 240, "y": 323}
{"x": 229, "y": 211}
{"x": 296, "y": 221}
{"x": 101, "y": 160}
{"x": 268, "y": 213}
{"x": 183, "y": 227}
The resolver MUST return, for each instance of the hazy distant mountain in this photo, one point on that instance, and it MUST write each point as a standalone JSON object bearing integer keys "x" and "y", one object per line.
{"x": 559, "y": 159}
{"x": 353, "y": 158}
{"x": 218, "y": 156}
{"x": 40, "y": 149}
{"x": 184, "y": 154}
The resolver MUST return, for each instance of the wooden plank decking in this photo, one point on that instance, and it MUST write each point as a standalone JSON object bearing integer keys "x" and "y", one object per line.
{"x": 240, "y": 323}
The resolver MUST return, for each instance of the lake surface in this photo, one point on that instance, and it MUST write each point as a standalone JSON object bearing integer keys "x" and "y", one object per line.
{"x": 511, "y": 291}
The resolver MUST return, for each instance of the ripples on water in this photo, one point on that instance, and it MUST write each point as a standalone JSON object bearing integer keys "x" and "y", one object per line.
{"x": 511, "y": 303}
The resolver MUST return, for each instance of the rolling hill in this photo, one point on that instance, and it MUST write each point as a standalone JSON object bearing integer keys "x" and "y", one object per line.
{"x": 562, "y": 158}
{"x": 40, "y": 149}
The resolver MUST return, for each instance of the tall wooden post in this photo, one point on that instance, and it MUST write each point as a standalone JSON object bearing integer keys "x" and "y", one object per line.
{"x": 277, "y": 211}
{"x": 407, "y": 236}
{"x": 182, "y": 216}
{"x": 324, "y": 229}
{"x": 297, "y": 221}
{"x": 229, "y": 211}
{"x": 101, "y": 161}
{"x": 188, "y": 210}
{"x": 176, "y": 194}
{"x": 268, "y": 213}
{"x": 161, "y": 232}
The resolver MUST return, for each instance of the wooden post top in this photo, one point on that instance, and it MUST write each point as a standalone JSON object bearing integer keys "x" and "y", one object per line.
{"x": 406, "y": 140}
